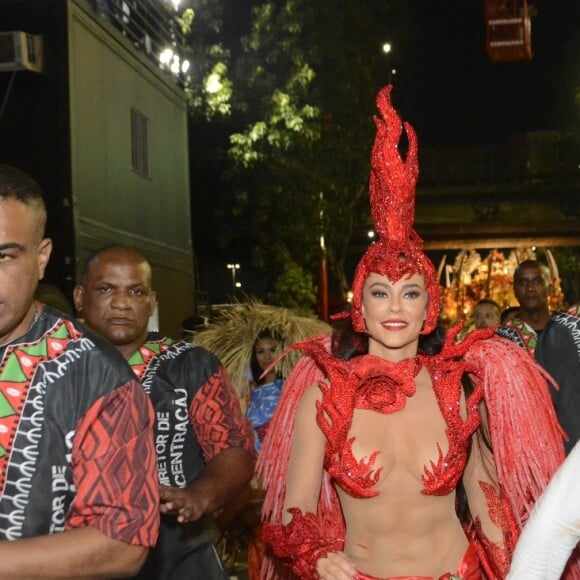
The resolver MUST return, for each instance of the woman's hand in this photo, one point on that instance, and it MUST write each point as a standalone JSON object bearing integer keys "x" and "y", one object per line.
{"x": 336, "y": 566}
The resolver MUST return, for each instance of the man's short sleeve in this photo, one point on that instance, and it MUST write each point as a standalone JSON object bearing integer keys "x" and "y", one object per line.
{"x": 217, "y": 418}
{"x": 114, "y": 468}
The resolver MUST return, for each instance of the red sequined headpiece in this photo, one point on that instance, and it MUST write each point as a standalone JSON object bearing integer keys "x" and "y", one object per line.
{"x": 398, "y": 252}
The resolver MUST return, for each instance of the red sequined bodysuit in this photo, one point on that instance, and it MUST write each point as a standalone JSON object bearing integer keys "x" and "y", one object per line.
{"x": 525, "y": 436}
{"x": 369, "y": 382}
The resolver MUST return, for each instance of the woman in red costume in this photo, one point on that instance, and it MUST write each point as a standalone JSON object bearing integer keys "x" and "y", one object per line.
{"x": 378, "y": 462}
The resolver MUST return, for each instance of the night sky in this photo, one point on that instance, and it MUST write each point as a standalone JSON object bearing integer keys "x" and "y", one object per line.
{"x": 451, "y": 91}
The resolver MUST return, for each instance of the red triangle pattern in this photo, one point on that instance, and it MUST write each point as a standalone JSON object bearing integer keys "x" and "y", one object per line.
{"x": 123, "y": 476}
{"x": 147, "y": 354}
{"x": 16, "y": 391}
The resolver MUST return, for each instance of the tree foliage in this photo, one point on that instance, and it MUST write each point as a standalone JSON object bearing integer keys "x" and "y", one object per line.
{"x": 304, "y": 77}
{"x": 568, "y": 261}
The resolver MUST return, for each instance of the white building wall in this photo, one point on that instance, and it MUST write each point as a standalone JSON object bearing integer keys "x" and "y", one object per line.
{"x": 112, "y": 202}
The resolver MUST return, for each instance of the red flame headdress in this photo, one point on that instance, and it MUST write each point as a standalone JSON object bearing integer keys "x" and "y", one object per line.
{"x": 399, "y": 250}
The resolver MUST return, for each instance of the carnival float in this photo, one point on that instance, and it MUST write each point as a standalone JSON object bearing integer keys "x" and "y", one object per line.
{"x": 472, "y": 277}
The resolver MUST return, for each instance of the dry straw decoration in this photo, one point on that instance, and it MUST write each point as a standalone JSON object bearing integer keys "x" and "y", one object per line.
{"x": 231, "y": 334}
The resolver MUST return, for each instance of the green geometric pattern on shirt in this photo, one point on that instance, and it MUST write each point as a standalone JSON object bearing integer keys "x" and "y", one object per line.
{"x": 527, "y": 333}
{"x": 6, "y": 409}
{"x": 137, "y": 358}
{"x": 22, "y": 360}
{"x": 12, "y": 373}
{"x": 140, "y": 359}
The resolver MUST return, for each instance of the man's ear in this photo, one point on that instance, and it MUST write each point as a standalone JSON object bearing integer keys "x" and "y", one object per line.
{"x": 44, "y": 251}
{"x": 153, "y": 302}
{"x": 79, "y": 297}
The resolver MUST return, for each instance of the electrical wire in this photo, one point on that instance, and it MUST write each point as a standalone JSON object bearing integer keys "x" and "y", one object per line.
{"x": 8, "y": 91}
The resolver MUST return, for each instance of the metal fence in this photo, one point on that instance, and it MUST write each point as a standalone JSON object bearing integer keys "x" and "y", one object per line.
{"x": 151, "y": 26}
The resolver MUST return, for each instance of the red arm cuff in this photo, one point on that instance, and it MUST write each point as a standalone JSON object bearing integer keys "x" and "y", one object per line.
{"x": 301, "y": 543}
{"x": 496, "y": 558}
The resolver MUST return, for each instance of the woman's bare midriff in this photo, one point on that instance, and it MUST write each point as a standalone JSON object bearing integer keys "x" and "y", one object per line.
{"x": 401, "y": 531}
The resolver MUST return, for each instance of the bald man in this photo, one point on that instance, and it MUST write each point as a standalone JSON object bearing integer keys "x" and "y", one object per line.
{"x": 204, "y": 444}
{"x": 78, "y": 491}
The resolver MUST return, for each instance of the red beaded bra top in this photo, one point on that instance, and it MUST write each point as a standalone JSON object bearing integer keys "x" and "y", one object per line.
{"x": 369, "y": 382}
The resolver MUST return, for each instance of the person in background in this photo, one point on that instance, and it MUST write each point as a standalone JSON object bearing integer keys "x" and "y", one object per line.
{"x": 248, "y": 338}
{"x": 508, "y": 314}
{"x": 552, "y": 338}
{"x": 205, "y": 454}
{"x": 78, "y": 485}
{"x": 486, "y": 313}
{"x": 54, "y": 297}
{"x": 264, "y": 392}
{"x": 377, "y": 462}
{"x": 265, "y": 387}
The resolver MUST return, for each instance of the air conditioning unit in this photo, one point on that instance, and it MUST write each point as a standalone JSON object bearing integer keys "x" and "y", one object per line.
{"x": 20, "y": 51}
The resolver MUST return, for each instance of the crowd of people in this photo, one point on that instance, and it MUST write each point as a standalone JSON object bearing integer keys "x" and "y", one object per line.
{"x": 79, "y": 489}
{"x": 387, "y": 449}
{"x": 117, "y": 443}
{"x": 204, "y": 446}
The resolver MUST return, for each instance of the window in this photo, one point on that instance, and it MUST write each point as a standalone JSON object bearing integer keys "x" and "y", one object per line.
{"x": 140, "y": 143}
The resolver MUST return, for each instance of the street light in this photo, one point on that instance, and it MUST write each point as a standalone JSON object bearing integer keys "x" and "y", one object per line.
{"x": 387, "y": 48}
{"x": 234, "y": 268}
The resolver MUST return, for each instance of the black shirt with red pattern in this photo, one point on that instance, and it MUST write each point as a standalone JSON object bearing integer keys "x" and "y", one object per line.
{"x": 198, "y": 415}
{"x": 556, "y": 347}
{"x": 76, "y": 446}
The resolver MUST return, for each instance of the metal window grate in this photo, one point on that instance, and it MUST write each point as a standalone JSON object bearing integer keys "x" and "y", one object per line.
{"x": 140, "y": 143}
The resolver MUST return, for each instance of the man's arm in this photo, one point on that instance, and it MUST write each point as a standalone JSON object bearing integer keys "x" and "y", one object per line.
{"x": 79, "y": 553}
{"x": 114, "y": 472}
{"x": 225, "y": 476}
{"x": 227, "y": 442}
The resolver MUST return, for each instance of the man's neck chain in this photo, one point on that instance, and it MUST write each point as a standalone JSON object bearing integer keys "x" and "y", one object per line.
{"x": 35, "y": 315}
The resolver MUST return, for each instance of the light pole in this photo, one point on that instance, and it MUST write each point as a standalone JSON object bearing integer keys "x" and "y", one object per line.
{"x": 234, "y": 268}
{"x": 323, "y": 269}
{"x": 387, "y": 48}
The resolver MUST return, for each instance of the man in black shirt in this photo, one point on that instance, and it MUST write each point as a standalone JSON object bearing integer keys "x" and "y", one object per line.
{"x": 205, "y": 447}
{"x": 553, "y": 339}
